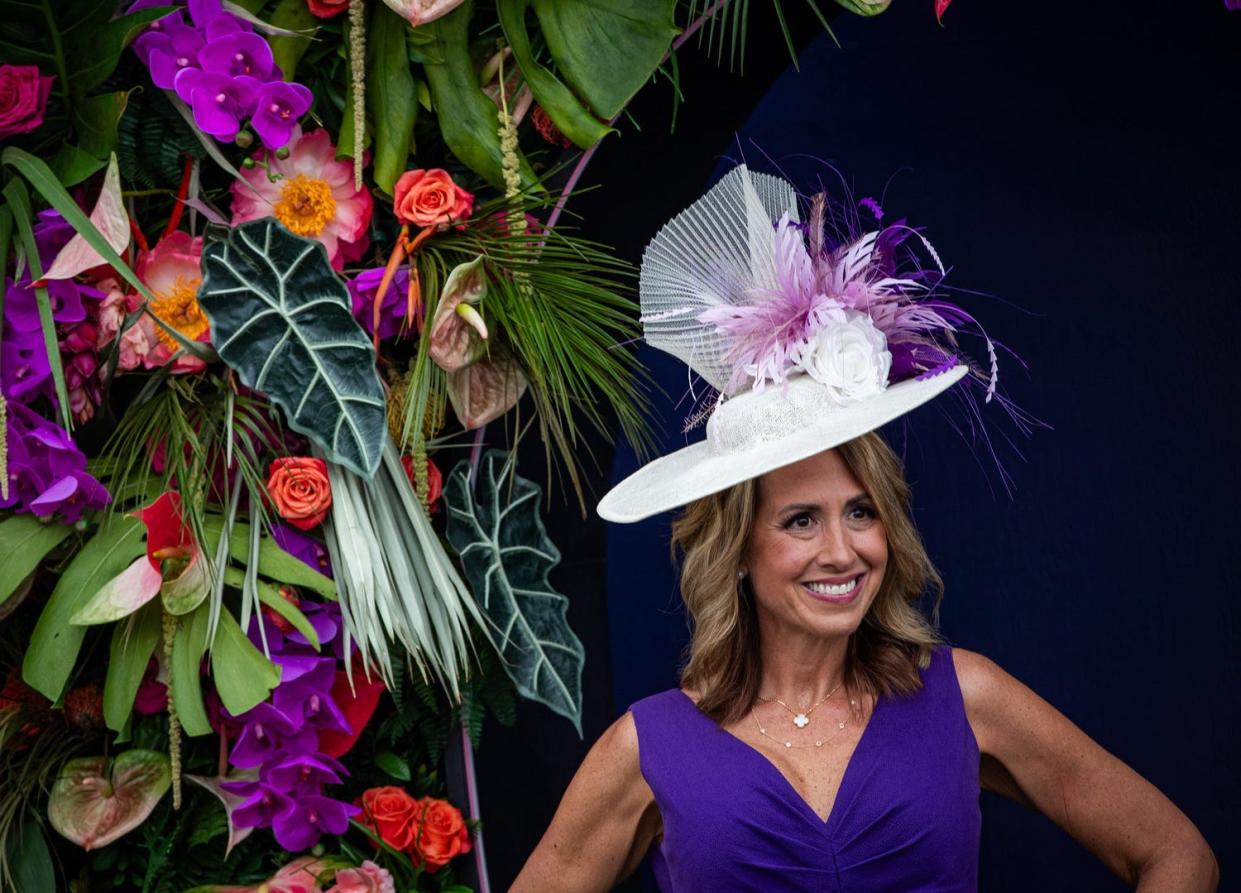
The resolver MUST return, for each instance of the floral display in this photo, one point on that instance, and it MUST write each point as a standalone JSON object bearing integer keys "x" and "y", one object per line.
{"x": 267, "y": 265}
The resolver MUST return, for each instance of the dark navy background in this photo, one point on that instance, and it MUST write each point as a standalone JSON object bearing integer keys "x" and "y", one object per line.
{"x": 1080, "y": 163}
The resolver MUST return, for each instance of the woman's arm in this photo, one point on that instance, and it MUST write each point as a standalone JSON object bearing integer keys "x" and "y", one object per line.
{"x": 1034, "y": 754}
{"x": 604, "y": 825}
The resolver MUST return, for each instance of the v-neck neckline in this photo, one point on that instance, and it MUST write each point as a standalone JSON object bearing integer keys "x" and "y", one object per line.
{"x": 826, "y": 824}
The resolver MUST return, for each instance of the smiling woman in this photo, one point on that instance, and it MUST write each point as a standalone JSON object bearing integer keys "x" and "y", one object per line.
{"x": 803, "y": 573}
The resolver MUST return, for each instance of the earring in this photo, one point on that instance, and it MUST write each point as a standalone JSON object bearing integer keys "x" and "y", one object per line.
{"x": 740, "y": 575}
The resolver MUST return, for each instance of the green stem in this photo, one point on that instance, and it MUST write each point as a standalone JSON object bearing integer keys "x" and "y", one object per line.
{"x": 58, "y": 49}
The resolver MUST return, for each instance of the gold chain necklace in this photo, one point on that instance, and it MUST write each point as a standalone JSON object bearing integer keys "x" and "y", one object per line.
{"x": 801, "y": 719}
{"x": 840, "y": 727}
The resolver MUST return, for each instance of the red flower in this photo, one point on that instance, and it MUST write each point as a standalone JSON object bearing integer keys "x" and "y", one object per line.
{"x": 430, "y": 198}
{"x": 299, "y": 489}
{"x": 442, "y": 834}
{"x": 358, "y": 703}
{"x": 327, "y": 9}
{"x": 23, "y": 99}
{"x": 392, "y": 814}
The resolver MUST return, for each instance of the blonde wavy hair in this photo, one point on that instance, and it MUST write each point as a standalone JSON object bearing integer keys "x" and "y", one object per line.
{"x": 895, "y": 638}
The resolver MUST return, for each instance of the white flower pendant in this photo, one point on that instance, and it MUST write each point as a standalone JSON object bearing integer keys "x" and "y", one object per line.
{"x": 801, "y": 720}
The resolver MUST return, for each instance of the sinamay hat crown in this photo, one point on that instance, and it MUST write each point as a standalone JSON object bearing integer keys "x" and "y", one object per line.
{"x": 809, "y": 340}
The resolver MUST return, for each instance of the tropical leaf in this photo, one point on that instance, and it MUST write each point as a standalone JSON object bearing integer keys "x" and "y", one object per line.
{"x": 95, "y": 800}
{"x": 390, "y": 93}
{"x": 189, "y": 644}
{"x": 27, "y": 854}
{"x": 283, "y": 320}
{"x": 54, "y": 644}
{"x": 566, "y": 110}
{"x": 243, "y": 676}
{"x": 507, "y": 555}
{"x": 24, "y": 542}
{"x": 133, "y": 643}
{"x": 287, "y": 49}
{"x": 607, "y": 49}
{"x": 467, "y": 119}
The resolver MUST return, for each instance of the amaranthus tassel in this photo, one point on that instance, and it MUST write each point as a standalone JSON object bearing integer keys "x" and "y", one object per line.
{"x": 174, "y": 722}
{"x": 357, "y": 75}
{"x": 4, "y": 448}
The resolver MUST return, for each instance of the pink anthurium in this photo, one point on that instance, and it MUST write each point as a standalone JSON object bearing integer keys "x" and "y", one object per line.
{"x": 458, "y": 332}
{"x": 173, "y": 567}
{"x": 96, "y": 800}
{"x": 486, "y": 390}
{"x": 941, "y": 7}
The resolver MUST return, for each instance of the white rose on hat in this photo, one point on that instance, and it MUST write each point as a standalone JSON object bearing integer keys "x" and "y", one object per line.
{"x": 849, "y": 355}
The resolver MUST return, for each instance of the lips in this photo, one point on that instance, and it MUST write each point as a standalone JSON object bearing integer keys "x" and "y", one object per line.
{"x": 835, "y": 598}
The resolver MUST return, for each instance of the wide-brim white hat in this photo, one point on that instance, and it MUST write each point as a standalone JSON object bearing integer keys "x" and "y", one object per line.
{"x": 757, "y": 432}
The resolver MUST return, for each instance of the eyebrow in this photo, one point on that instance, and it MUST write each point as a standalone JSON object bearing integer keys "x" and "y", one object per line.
{"x": 814, "y": 506}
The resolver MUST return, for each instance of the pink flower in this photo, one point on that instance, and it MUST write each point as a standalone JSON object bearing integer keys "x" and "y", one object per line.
{"x": 299, "y": 876}
{"x": 369, "y": 878}
{"x": 23, "y": 99}
{"x": 171, "y": 271}
{"x": 430, "y": 198}
{"x": 312, "y": 196}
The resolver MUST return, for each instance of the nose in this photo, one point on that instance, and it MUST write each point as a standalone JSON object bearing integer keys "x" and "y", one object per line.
{"x": 835, "y": 549}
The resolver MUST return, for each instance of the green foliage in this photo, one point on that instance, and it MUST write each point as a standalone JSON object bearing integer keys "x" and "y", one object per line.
{"x": 25, "y": 542}
{"x": 54, "y": 645}
{"x": 275, "y": 304}
{"x": 607, "y": 49}
{"x": 390, "y": 94}
{"x": 28, "y": 857}
{"x": 133, "y": 643}
{"x": 153, "y": 140}
{"x": 506, "y": 555}
{"x": 292, "y": 15}
{"x": 728, "y": 23}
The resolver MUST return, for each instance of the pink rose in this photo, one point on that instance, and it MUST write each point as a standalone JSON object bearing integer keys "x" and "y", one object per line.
{"x": 369, "y": 878}
{"x": 430, "y": 198}
{"x": 23, "y": 99}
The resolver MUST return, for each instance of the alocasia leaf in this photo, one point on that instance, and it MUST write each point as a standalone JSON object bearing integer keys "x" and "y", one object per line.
{"x": 506, "y": 556}
{"x": 607, "y": 49}
{"x": 96, "y": 800}
{"x": 283, "y": 320}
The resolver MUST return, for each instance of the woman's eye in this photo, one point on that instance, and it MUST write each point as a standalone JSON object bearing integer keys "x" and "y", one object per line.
{"x": 800, "y": 521}
{"x": 863, "y": 513}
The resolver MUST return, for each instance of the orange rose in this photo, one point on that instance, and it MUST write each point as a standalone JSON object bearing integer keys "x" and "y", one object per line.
{"x": 299, "y": 488}
{"x": 393, "y": 815}
{"x": 430, "y": 198}
{"x": 443, "y": 835}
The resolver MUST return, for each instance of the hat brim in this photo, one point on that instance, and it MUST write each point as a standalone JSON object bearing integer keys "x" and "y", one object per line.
{"x": 694, "y": 471}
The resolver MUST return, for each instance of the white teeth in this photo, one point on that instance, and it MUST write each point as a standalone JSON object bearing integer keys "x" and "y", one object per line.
{"x": 829, "y": 589}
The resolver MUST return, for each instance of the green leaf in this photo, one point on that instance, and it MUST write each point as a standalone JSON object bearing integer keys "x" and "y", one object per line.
{"x": 390, "y": 94}
{"x": 55, "y": 642}
{"x": 283, "y": 320}
{"x": 274, "y": 563}
{"x": 393, "y": 765}
{"x": 568, "y": 113}
{"x": 19, "y": 201}
{"x": 243, "y": 676}
{"x": 96, "y": 120}
{"x": 94, "y": 42}
{"x": 270, "y": 596}
{"x": 71, "y": 165}
{"x": 132, "y": 646}
{"x": 188, "y": 647}
{"x": 29, "y": 860}
{"x": 467, "y": 119}
{"x": 864, "y": 7}
{"x": 95, "y": 800}
{"x": 607, "y": 49}
{"x": 292, "y": 15}
{"x": 507, "y": 555}
{"x": 25, "y": 541}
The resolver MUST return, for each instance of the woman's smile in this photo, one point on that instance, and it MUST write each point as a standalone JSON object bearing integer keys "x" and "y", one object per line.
{"x": 834, "y": 593}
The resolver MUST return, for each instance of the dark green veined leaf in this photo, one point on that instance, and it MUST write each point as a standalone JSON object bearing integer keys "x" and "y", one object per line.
{"x": 390, "y": 93}
{"x": 282, "y": 319}
{"x": 573, "y": 119}
{"x": 606, "y": 49}
{"x": 133, "y": 643}
{"x": 24, "y": 541}
{"x": 506, "y": 555}
{"x": 55, "y": 642}
{"x": 467, "y": 119}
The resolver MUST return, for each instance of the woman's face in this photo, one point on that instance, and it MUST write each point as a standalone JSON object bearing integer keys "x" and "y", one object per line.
{"x": 817, "y": 551}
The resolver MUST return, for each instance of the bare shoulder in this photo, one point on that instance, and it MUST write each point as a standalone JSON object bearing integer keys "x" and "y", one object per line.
{"x": 605, "y": 822}
{"x": 992, "y": 697}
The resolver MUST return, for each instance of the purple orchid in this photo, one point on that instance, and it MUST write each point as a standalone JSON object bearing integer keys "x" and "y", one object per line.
{"x": 303, "y": 547}
{"x": 264, "y": 732}
{"x": 304, "y": 773}
{"x": 262, "y": 806}
{"x": 312, "y": 816}
{"x": 362, "y": 289}
{"x": 277, "y": 110}
{"x": 238, "y": 54}
{"x": 220, "y": 102}
{"x": 172, "y": 47}
{"x": 47, "y": 471}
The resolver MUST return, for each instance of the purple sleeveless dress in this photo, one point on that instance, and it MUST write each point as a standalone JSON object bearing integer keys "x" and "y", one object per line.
{"x": 906, "y": 818}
